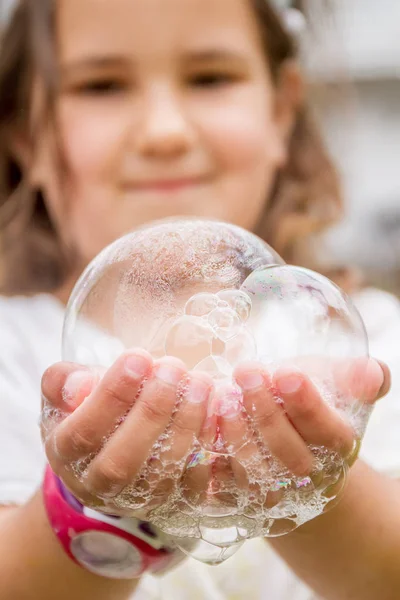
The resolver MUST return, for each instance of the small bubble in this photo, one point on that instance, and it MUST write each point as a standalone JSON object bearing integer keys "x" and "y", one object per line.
{"x": 207, "y": 553}
{"x": 224, "y": 322}
{"x": 247, "y": 528}
{"x": 215, "y": 366}
{"x": 241, "y": 348}
{"x": 217, "y": 347}
{"x": 304, "y": 482}
{"x": 221, "y": 536}
{"x": 281, "y": 527}
{"x": 239, "y": 301}
{"x": 222, "y": 304}
{"x": 50, "y": 418}
{"x": 201, "y": 457}
{"x": 229, "y": 400}
{"x": 201, "y": 305}
{"x": 81, "y": 466}
{"x": 190, "y": 340}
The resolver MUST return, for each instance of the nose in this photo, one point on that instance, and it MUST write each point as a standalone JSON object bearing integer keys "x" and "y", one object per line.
{"x": 165, "y": 130}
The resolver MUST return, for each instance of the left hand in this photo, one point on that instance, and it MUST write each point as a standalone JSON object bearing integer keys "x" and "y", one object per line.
{"x": 285, "y": 415}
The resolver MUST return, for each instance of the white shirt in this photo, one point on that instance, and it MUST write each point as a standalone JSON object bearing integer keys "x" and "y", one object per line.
{"x": 30, "y": 333}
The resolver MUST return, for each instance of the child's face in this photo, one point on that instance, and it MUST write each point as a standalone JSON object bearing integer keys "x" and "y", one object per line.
{"x": 166, "y": 108}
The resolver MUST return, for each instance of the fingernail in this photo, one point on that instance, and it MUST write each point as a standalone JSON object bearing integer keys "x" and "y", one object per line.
{"x": 168, "y": 374}
{"x": 77, "y": 387}
{"x": 198, "y": 391}
{"x": 289, "y": 384}
{"x": 251, "y": 380}
{"x": 137, "y": 366}
{"x": 230, "y": 404}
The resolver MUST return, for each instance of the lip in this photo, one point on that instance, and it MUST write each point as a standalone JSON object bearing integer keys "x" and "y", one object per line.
{"x": 164, "y": 185}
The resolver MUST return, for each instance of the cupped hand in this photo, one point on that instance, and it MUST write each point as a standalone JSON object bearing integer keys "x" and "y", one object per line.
{"x": 104, "y": 433}
{"x": 284, "y": 416}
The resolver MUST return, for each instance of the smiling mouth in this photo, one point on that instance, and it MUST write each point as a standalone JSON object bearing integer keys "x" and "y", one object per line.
{"x": 165, "y": 185}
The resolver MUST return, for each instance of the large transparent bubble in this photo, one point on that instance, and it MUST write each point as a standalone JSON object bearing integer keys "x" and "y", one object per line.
{"x": 217, "y": 296}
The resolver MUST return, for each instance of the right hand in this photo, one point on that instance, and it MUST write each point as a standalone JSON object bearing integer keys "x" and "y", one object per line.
{"x": 104, "y": 434}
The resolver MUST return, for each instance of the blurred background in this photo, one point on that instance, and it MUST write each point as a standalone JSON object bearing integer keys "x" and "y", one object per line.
{"x": 356, "y": 58}
{"x": 353, "y": 56}
{"x": 5, "y": 6}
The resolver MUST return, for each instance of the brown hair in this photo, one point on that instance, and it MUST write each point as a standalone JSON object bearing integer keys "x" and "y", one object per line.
{"x": 306, "y": 197}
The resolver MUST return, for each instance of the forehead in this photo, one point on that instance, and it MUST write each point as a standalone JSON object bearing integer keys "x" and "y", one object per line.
{"x": 151, "y": 27}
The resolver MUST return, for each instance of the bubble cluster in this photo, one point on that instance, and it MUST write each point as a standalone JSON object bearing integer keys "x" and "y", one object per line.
{"x": 211, "y": 336}
{"x": 216, "y": 296}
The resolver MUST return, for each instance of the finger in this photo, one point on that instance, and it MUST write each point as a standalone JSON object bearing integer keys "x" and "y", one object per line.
{"x": 187, "y": 422}
{"x": 227, "y": 404}
{"x": 121, "y": 459}
{"x": 387, "y": 380}
{"x": 362, "y": 378}
{"x": 237, "y": 435}
{"x": 315, "y": 421}
{"x": 233, "y": 422}
{"x": 201, "y": 463}
{"x": 64, "y": 384}
{"x": 269, "y": 420}
{"x": 250, "y": 467}
{"x": 84, "y": 431}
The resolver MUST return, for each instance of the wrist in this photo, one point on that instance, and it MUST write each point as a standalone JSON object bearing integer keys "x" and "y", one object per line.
{"x": 109, "y": 546}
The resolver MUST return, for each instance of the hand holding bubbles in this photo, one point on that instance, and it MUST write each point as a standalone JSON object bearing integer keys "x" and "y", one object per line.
{"x": 280, "y": 353}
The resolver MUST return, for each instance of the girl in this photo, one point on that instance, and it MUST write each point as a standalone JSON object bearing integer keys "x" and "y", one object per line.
{"x": 113, "y": 114}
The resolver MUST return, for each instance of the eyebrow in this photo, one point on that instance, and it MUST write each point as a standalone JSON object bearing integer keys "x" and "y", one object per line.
{"x": 101, "y": 62}
{"x": 94, "y": 62}
{"x": 215, "y": 54}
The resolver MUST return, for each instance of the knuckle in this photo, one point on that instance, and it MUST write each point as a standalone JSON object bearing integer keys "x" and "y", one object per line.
{"x": 78, "y": 442}
{"x": 182, "y": 426}
{"x": 308, "y": 412}
{"x": 156, "y": 408}
{"x": 307, "y": 404}
{"x": 120, "y": 395}
{"x": 109, "y": 474}
{"x": 268, "y": 418}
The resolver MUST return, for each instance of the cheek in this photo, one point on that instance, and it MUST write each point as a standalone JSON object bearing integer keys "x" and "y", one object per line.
{"x": 243, "y": 135}
{"x": 91, "y": 145}
{"x": 239, "y": 143}
{"x": 244, "y": 140}
{"x": 90, "y": 141}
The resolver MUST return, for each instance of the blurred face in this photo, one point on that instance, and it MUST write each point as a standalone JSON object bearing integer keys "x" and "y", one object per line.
{"x": 166, "y": 108}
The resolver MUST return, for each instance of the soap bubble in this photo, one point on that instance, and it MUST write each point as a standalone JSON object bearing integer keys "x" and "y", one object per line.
{"x": 216, "y": 296}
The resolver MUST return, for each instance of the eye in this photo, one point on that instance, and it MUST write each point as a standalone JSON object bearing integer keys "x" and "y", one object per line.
{"x": 212, "y": 79}
{"x": 103, "y": 87}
